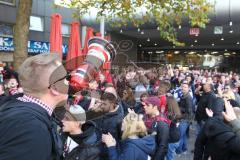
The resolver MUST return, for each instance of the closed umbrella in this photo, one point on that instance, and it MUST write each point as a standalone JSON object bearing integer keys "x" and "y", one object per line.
{"x": 74, "y": 56}
{"x": 56, "y": 34}
{"x": 89, "y": 35}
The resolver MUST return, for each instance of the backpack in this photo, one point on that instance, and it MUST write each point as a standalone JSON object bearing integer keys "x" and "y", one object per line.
{"x": 17, "y": 106}
{"x": 174, "y": 132}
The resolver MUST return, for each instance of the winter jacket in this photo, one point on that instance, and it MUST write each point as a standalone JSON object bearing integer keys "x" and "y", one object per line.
{"x": 133, "y": 149}
{"x": 186, "y": 106}
{"x": 218, "y": 141}
{"x": 159, "y": 126}
{"x": 88, "y": 144}
{"x": 110, "y": 122}
{"x": 26, "y": 132}
{"x": 206, "y": 101}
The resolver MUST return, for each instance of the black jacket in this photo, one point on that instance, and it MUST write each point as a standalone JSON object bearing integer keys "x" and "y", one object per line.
{"x": 26, "y": 132}
{"x": 110, "y": 122}
{"x": 88, "y": 144}
{"x": 218, "y": 141}
{"x": 186, "y": 106}
{"x": 161, "y": 129}
{"x": 206, "y": 101}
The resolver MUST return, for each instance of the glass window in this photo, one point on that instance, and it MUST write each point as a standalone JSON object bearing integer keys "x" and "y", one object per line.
{"x": 6, "y": 30}
{"x": 65, "y": 30}
{"x": 10, "y": 2}
{"x": 36, "y": 23}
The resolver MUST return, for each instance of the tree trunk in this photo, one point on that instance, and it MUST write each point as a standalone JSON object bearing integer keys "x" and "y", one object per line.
{"x": 21, "y": 31}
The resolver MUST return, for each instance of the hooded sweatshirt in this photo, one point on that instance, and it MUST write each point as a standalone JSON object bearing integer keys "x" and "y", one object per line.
{"x": 133, "y": 149}
{"x": 218, "y": 141}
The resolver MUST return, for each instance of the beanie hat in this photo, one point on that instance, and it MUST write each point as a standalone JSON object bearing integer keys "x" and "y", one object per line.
{"x": 154, "y": 100}
{"x": 78, "y": 113}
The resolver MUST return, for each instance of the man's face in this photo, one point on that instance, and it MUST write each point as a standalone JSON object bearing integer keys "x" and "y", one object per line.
{"x": 185, "y": 88}
{"x": 12, "y": 83}
{"x": 148, "y": 108}
{"x": 206, "y": 87}
{"x": 59, "y": 82}
{"x": 106, "y": 106}
{"x": 188, "y": 79}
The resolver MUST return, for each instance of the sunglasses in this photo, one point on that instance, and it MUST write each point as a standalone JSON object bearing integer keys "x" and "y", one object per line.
{"x": 67, "y": 77}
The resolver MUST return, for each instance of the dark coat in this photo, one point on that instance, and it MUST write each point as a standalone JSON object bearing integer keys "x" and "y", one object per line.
{"x": 186, "y": 106}
{"x": 133, "y": 149}
{"x": 110, "y": 122}
{"x": 206, "y": 101}
{"x": 26, "y": 132}
{"x": 218, "y": 141}
{"x": 88, "y": 144}
{"x": 159, "y": 126}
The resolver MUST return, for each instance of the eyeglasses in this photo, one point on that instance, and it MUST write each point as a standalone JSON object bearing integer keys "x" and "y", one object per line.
{"x": 67, "y": 77}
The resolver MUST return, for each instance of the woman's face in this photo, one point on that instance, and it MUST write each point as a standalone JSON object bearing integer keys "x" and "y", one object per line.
{"x": 125, "y": 94}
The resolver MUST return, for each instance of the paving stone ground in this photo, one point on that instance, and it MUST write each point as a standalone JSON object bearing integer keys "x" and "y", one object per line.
{"x": 189, "y": 154}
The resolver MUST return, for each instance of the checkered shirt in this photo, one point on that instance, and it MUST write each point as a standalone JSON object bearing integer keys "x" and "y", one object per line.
{"x": 28, "y": 98}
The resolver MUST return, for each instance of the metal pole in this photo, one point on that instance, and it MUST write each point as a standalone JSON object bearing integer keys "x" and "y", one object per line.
{"x": 102, "y": 27}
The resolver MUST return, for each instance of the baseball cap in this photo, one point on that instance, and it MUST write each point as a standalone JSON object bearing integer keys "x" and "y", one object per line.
{"x": 154, "y": 100}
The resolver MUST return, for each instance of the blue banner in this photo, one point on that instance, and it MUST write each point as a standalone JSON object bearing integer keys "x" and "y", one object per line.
{"x": 34, "y": 47}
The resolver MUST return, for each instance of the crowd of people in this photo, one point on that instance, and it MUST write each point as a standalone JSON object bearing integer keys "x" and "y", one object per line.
{"x": 131, "y": 113}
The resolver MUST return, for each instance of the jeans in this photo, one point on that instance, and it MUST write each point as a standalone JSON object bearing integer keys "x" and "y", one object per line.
{"x": 171, "y": 150}
{"x": 181, "y": 145}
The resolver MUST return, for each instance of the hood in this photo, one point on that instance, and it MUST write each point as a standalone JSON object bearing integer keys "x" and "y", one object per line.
{"x": 215, "y": 126}
{"x": 88, "y": 136}
{"x": 118, "y": 112}
{"x": 147, "y": 144}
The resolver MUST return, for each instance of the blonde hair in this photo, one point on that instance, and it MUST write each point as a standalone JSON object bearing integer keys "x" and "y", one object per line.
{"x": 229, "y": 95}
{"x": 133, "y": 125}
{"x": 35, "y": 72}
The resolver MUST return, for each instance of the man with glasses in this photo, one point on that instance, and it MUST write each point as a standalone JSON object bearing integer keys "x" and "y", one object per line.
{"x": 26, "y": 130}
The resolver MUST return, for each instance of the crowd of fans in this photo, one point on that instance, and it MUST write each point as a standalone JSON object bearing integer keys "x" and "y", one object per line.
{"x": 132, "y": 114}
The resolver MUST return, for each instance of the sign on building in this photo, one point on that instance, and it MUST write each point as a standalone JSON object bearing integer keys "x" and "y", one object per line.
{"x": 34, "y": 47}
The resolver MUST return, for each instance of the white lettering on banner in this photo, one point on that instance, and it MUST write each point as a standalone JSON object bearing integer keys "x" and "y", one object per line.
{"x": 29, "y": 44}
{"x": 6, "y": 49}
{"x": 45, "y": 46}
{"x": 6, "y": 44}
{"x": 64, "y": 48}
{"x": 37, "y": 45}
{"x": 1, "y": 41}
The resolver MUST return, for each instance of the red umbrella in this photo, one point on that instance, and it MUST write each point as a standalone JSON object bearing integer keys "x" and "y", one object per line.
{"x": 74, "y": 56}
{"x": 89, "y": 35}
{"x": 56, "y": 34}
